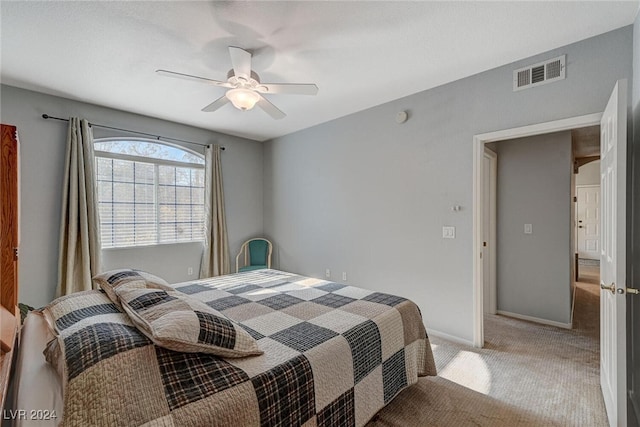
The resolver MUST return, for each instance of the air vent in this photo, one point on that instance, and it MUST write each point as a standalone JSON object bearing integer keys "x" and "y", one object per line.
{"x": 539, "y": 74}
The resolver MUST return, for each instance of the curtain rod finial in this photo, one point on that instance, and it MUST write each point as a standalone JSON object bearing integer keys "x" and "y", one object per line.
{"x": 45, "y": 116}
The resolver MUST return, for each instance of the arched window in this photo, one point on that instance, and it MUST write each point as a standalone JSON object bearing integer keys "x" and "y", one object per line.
{"x": 148, "y": 192}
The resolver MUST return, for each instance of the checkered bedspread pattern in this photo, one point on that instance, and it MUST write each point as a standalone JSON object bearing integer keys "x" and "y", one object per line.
{"x": 334, "y": 355}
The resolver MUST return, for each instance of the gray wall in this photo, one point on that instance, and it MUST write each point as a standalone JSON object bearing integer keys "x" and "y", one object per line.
{"x": 589, "y": 174}
{"x": 365, "y": 195}
{"x": 42, "y": 147}
{"x": 534, "y": 187}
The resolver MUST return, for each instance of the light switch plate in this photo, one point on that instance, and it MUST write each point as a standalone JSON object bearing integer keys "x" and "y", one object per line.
{"x": 448, "y": 232}
{"x": 528, "y": 229}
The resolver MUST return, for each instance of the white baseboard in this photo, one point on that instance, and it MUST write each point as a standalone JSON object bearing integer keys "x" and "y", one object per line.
{"x": 434, "y": 333}
{"x": 535, "y": 319}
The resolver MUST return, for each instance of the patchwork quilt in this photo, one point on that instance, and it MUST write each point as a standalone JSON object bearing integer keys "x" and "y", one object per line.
{"x": 334, "y": 355}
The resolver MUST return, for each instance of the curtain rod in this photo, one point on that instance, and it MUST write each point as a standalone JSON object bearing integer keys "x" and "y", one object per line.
{"x": 158, "y": 137}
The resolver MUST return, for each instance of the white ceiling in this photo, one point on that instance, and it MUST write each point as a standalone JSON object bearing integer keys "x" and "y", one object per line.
{"x": 360, "y": 54}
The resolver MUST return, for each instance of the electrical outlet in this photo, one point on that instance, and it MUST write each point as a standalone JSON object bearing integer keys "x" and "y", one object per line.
{"x": 190, "y": 271}
{"x": 448, "y": 232}
{"x": 344, "y": 276}
{"x": 528, "y": 229}
{"x": 327, "y": 273}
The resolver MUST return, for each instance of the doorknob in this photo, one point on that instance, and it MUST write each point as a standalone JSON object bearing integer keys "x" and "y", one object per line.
{"x": 611, "y": 288}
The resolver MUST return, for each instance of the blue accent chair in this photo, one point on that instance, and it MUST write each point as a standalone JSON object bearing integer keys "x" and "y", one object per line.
{"x": 257, "y": 255}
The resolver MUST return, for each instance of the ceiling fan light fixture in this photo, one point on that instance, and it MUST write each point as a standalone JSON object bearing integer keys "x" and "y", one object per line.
{"x": 244, "y": 87}
{"x": 243, "y": 99}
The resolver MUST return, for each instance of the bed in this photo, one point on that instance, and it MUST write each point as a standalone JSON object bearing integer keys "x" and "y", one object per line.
{"x": 331, "y": 355}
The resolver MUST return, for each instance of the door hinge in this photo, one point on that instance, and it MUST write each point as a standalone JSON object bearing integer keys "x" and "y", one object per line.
{"x": 15, "y": 254}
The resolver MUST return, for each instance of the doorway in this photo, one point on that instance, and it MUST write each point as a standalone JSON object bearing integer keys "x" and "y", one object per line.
{"x": 479, "y": 142}
{"x": 587, "y": 232}
{"x": 613, "y": 302}
{"x": 587, "y": 197}
{"x": 534, "y": 228}
{"x": 532, "y": 168}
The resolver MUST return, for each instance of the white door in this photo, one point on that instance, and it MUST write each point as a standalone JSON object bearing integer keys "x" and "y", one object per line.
{"x": 588, "y": 213}
{"x": 613, "y": 175}
{"x": 490, "y": 171}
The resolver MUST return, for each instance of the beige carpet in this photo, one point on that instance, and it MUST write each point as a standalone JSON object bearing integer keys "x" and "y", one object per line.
{"x": 527, "y": 375}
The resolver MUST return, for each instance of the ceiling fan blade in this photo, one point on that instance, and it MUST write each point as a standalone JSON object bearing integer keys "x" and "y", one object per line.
{"x": 290, "y": 88}
{"x": 270, "y": 109}
{"x": 241, "y": 62}
{"x": 216, "y": 104}
{"x": 192, "y": 78}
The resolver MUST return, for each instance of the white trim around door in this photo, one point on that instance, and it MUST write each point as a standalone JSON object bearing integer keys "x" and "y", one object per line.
{"x": 478, "y": 160}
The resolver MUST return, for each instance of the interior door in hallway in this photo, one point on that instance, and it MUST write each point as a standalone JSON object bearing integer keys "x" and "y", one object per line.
{"x": 588, "y": 213}
{"x": 490, "y": 172}
{"x": 613, "y": 180}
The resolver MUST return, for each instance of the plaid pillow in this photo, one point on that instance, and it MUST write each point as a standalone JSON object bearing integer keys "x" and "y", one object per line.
{"x": 136, "y": 279}
{"x": 88, "y": 327}
{"x": 178, "y": 322}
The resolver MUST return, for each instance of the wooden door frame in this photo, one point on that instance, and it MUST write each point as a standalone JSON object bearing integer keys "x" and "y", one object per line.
{"x": 479, "y": 141}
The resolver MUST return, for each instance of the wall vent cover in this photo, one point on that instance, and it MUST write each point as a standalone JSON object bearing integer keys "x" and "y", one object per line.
{"x": 540, "y": 73}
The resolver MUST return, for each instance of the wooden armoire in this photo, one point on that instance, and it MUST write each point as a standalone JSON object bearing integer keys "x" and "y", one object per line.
{"x": 9, "y": 314}
{"x": 9, "y": 217}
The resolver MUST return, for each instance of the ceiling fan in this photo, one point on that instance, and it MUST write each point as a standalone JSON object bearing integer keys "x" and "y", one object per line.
{"x": 245, "y": 89}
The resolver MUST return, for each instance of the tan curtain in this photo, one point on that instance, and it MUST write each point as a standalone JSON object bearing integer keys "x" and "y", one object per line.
{"x": 215, "y": 258}
{"x": 79, "y": 257}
